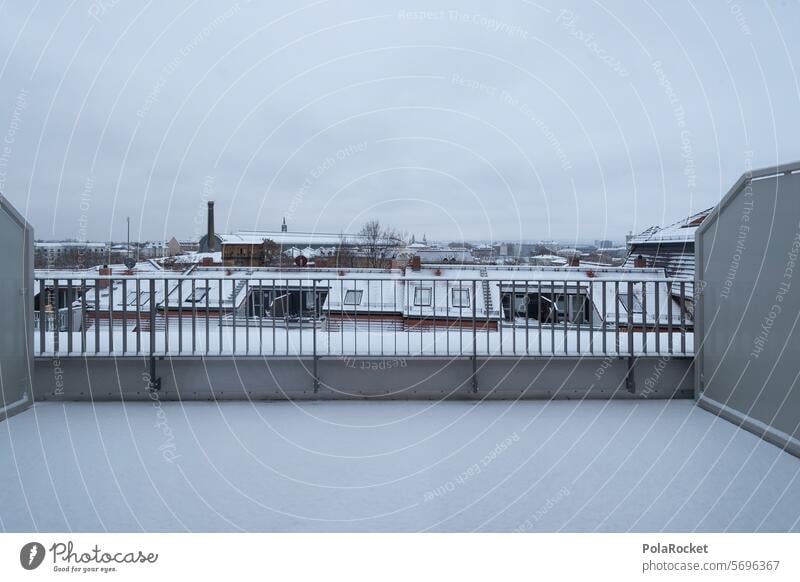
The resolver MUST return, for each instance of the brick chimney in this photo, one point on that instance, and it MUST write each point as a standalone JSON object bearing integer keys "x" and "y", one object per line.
{"x": 639, "y": 262}
{"x": 104, "y": 271}
{"x": 212, "y": 239}
{"x": 574, "y": 261}
{"x": 415, "y": 263}
{"x": 206, "y": 262}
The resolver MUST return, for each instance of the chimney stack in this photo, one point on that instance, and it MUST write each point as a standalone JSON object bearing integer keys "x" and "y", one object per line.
{"x": 574, "y": 261}
{"x": 415, "y": 263}
{"x": 639, "y": 262}
{"x": 104, "y": 271}
{"x": 212, "y": 239}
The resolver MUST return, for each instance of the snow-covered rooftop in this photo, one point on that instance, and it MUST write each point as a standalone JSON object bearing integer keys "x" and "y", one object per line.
{"x": 680, "y": 232}
{"x": 288, "y": 239}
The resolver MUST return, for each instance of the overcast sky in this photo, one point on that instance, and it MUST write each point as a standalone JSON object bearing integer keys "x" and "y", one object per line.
{"x": 484, "y": 121}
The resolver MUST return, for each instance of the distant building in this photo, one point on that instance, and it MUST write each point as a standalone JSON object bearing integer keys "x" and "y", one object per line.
{"x": 173, "y": 247}
{"x": 154, "y": 250}
{"x": 445, "y": 256}
{"x": 670, "y": 248}
{"x": 260, "y": 247}
{"x": 70, "y": 253}
{"x": 547, "y": 261}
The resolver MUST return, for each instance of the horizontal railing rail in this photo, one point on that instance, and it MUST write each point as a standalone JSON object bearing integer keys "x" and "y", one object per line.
{"x": 322, "y": 314}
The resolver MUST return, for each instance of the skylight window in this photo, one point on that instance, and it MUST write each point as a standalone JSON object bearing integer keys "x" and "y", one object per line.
{"x": 422, "y": 296}
{"x": 460, "y": 297}
{"x": 198, "y": 295}
{"x": 353, "y": 297}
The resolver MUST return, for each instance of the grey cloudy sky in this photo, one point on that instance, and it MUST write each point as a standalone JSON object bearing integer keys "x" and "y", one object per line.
{"x": 503, "y": 120}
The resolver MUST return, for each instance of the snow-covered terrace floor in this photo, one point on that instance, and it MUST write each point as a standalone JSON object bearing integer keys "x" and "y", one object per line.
{"x": 537, "y": 466}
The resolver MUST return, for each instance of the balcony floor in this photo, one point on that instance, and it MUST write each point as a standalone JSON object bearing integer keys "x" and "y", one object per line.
{"x": 397, "y": 466}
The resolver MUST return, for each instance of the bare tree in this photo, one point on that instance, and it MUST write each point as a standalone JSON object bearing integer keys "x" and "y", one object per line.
{"x": 272, "y": 253}
{"x": 378, "y": 243}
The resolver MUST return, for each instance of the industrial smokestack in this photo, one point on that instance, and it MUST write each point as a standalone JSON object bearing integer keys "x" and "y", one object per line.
{"x": 212, "y": 239}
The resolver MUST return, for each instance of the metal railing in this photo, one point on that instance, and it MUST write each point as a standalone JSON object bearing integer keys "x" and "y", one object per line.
{"x": 354, "y": 315}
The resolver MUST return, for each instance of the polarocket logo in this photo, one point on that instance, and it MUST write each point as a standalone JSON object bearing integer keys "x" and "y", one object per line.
{"x": 31, "y": 555}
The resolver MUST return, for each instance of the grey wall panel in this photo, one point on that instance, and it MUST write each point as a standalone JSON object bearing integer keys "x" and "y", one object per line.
{"x": 419, "y": 379}
{"x": 16, "y": 338}
{"x": 748, "y": 264}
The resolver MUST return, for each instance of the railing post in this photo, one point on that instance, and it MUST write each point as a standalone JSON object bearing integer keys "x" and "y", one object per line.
{"x": 475, "y": 339}
{"x": 314, "y": 336}
{"x": 155, "y": 382}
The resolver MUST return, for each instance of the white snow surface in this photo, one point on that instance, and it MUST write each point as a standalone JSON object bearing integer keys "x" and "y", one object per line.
{"x": 390, "y": 466}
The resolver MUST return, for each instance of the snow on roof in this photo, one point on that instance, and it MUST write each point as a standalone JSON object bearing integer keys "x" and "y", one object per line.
{"x": 288, "y": 239}
{"x": 670, "y": 248}
{"x": 76, "y": 244}
{"x": 678, "y": 232}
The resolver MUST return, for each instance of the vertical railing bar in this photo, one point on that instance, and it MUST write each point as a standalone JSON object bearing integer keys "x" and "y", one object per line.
{"x": 433, "y": 303}
{"x": 83, "y": 315}
{"x": 381, "y": 320}
{"x": 630, "y": 317}
{"x": 97, "y": 289}
{"x": 69, "y": 316}
{"x": 461, "y": 320}
{"x": 166, "y": 316}
{"x": 683, "y": 317}
{"x": 394, "y": 309}
{"x": 194, "y": 316}
{"x": 314, "y": 332}
{"x": 138, "y": 316}
{"x": 221, "y": 314}
{"x": 421, "y": 320}
{"x": 447, "y": 322}
{"x": 474, "y": 334}
{"x": 152, "y": 319}
{"x": 539, "y": 312}
{"x": 590, "y": 305}
{"x": 42, "y": 314}
{"x": 56, "y": 322}
{"x": 526, "y": 303}
{"x": 513, "y": 305}
{"x": 342, "y": 295}
{"x": 604, "y": 290}
{"x": 616, "y": 315}
{"x": 179, "y": 283}
{"x": 110, "y": 316}
{"x": 657, "y": 317}
{"x": 578, "y": 316}
{"x": 502, "y": 317}
{"x": 300, "y": 319}
{"x": 555, "y": 317}
{"x": 644, "y": 317}
{"x": 208, "y": 315}
{"x": 274, "y": 319}
{"x": 124, "y": 316}
{"x": 407, "y": 325}
{"x": 233, "y": 315}
{"x": 286, "y": 314}
{"x": 500, "y": 295}
{"x": 369, "y": 316}
{"x": 246, "y": 317}
{"x": 669, "y": 317}
{"x": 566, "y": 317}
{"x": 260, "y": 317}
